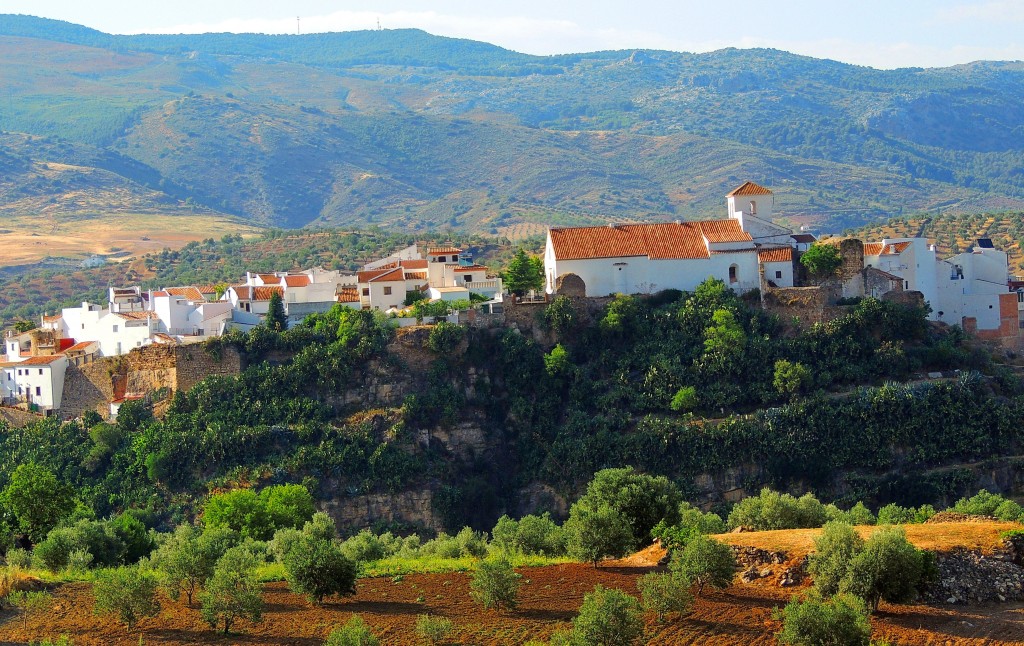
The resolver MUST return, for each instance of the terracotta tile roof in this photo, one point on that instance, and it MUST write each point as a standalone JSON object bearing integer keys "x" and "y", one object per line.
{"x": 81, "y": 347}
{"x": 415, "y": 275}
{"x": 886, "y": 274}
{"x": 160, "y": 337}
{"x": 244, "y": 292}
{"x": 471, "y": 268}
{"x": 348, "y": 295}
{"x": 136, "y": 316}
{"x": 723, "y": 231}
{"x": 443, "y": 250}
{"x": 414, "y": 264}
{"x": 683, "y": 240}
{"x": 270, "y": 279}
{"x": 297, "y": 281}
{"x": 387, "y": 275}
{"x": 206, "y": 289}
{"x": 165, "y": 294}
{"x": 52, "y": 319}
{"x": 188, "y": 292}
{"x": 877, "y": 249}
{"x": 264, "y": 293}
{"x": 775, "y": 254}
{"x": 42, "y": 361}
{"x": 803, "y": 237}
{"x": 748, "y": 188}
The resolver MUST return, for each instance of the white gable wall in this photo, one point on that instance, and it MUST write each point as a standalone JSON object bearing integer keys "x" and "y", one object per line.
{"x": 642, "y": 275}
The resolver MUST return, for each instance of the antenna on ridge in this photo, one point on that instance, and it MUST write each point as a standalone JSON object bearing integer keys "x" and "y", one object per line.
{"x": 378, "y": 24}
{"x": 297, "y": 30}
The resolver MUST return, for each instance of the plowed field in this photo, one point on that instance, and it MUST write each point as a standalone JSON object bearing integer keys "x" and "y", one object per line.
{"x": 550, "y": 598}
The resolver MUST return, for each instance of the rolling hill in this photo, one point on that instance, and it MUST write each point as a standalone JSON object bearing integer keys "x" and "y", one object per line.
{"x": 404, "y": 129}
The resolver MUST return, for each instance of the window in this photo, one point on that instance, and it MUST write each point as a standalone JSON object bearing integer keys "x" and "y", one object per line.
{"x": 753, "y": 207}
{"x": 39, "y": 391}
{"x": 41, "y": 370}
{"x": 733, "y": 271}
{"x": 468, "y": 279}
{"x": 442, "y": 259}
{"x": 366, "y": 291}
{"x": 778, "y": 274}
{"x": 387, "y": 290}
{"x": 115, "y": 328}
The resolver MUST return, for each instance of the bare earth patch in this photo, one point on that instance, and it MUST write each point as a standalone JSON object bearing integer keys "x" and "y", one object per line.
{"x": 549, "y": 599}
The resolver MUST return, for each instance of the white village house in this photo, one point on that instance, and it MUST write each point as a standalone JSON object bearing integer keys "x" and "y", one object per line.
{"x": 647, "y": 258}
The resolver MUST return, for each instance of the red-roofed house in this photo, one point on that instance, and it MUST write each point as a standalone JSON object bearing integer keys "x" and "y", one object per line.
{"x": 647, "y": 258}
{"x": 37, "y": 382}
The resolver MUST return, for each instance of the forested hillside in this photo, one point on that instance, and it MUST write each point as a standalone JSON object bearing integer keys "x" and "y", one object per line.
{"x": 402, "y": 128}
{"x": 691, "y": 386}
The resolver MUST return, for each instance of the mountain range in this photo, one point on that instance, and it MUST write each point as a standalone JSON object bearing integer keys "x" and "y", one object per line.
{"x": 405, "y": 129}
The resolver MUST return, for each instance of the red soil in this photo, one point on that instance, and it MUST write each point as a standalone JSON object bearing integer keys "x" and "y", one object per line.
{"x": 550, "y": 597}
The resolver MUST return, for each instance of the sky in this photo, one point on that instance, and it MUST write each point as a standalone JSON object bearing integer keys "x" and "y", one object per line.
{"x": 879, "y": 33}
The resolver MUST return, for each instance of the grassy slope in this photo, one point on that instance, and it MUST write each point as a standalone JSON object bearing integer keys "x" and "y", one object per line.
{"x": 406, "y": 129}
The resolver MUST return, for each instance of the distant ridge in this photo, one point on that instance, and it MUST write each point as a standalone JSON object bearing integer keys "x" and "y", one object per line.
{"x": 404, "y": 129}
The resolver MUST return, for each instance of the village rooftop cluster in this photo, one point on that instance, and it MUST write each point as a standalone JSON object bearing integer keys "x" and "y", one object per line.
{"x": 746, "y": 250}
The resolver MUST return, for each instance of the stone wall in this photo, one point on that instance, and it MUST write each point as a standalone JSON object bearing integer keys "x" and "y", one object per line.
{"x": 93, "y": 385}
{"x": 803, "y": 306}
{"x": 17, "y": 418}
{"x": 851, "y": 271}
{"x": 193, "y": 364}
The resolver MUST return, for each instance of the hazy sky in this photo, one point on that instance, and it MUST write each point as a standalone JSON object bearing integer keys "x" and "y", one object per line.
{"x": 880, "y": 33}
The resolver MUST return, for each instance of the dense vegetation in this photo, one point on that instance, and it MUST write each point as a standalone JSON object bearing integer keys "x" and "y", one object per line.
{"x": 606, "y": 394}
{"x": 369, "y": 127}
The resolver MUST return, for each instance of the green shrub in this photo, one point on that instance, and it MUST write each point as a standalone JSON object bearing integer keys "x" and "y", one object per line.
{"x": 187, "y": 558}
{"x": 642, "y": 500}
{"x": 129, "y": 593}
{"x": 593, "y": 534}
{"x": 859, "y": 514}
{"x": 55, "y": 552}
{"x": 495, "y": 584}
{"x": 981, "y": 504}
{"x": 705, "y": 561}
{"x": 19, "y": 558}
{"x": 773, "y": 510}
{"x": 355, "y": 632}
{"x": 317, "y": 568}
{"x": 662, "y": 593}
{"x": 893, "y": 514}
{"x": 888, "y": 568}
{"x": 834, "y": 550}
{"x": 233, "y": 591}
{"x": 821, "y": 260}
{"x": 692, "y": 522}
{"x": 685, "y": 400}
{"x": 812, "y": 621}
{"x": 36, "y": 500}
{"x": 433, "y": 629}
{"x": 258, "y": 516}
{"x": 791, "y": 378}
{"x": 445, "y": 337}
{"x": 608, "y": 617}
{"x": 529, "y": 535}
